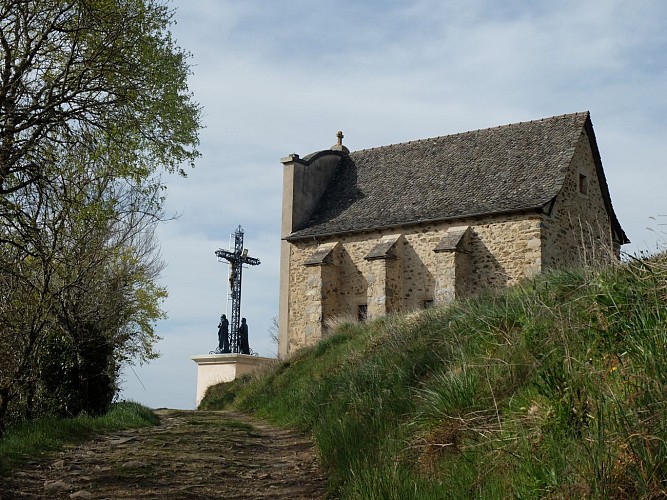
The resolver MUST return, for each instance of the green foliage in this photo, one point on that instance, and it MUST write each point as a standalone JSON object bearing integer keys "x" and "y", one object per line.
{"x": 220, "y": 395}
{"x": 554, "y": 388}
{"x": 103, "y": 79}
{"x": 94, "y": 107}
{"x": 35, "y": 438}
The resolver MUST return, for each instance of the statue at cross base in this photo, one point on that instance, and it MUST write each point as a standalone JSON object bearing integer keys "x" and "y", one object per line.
{"x": 238, "y": 333}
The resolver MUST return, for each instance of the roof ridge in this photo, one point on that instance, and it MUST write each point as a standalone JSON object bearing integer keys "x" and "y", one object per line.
{"x": 474, "y": 131}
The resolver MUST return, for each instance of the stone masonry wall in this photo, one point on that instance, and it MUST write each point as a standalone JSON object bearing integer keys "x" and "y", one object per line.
{"x": 445, "y": 278}
{"x": 379, "y": 295}
{"x": 503, "y": 251}
{"x": 385, "y": 280}
{"x": 320, "y": 299}
{"x": 452, "y": 269}
{"x": 578, "y": 229}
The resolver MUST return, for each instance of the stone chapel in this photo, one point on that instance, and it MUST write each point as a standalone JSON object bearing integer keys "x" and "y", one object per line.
{"x": 405, "y": 226}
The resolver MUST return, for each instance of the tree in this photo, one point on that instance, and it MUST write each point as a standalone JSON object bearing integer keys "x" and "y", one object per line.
{"x": 102, "y": 75}
{"x": 94, "y": 106}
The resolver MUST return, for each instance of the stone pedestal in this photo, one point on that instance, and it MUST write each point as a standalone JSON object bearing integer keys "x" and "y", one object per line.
{"x": 216, "y": 368}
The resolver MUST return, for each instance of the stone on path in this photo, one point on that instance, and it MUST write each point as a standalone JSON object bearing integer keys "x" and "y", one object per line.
{"x": 53, "y": 486}
{"x": 82, "y": 494}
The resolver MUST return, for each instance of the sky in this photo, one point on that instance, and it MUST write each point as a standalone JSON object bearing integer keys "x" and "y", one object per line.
{"x": 278, "y": 77}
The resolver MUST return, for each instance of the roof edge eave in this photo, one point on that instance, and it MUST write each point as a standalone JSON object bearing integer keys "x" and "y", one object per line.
{"x": 310, "y": 158}
{"x": 538, "y": 209}
{"x": 602, "y": 180}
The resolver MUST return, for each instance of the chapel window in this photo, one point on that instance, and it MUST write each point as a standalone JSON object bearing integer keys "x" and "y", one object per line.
{"x": 583, "y": 184}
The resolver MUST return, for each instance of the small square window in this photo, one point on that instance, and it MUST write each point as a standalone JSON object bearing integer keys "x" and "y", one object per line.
{"x": 583, "y": 184}
{"x": 362, "y": 312}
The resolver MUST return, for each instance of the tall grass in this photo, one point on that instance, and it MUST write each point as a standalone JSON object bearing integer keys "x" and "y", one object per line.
{"x": 32, "y": 439}
{"x": 554, "y": 388}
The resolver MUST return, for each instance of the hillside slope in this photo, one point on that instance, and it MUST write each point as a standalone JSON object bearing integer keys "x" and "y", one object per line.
{"x": 553, "y": 388}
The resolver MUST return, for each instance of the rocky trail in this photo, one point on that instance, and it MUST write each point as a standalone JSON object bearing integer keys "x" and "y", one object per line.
{"x": 191, "y": 454}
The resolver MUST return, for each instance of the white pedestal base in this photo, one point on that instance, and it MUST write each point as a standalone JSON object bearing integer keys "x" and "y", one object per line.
{"x": 215, "y": 368}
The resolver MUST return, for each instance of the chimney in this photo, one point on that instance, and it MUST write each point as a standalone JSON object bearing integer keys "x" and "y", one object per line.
{"x": 304, "y": 182}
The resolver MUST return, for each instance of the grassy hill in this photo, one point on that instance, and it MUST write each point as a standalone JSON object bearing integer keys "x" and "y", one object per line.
{"x": 554, "y": 388}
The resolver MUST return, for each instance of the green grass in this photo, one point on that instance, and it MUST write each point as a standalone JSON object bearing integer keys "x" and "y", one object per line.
{"x": 554, "y": 388}
{"x": 35, "y": 438}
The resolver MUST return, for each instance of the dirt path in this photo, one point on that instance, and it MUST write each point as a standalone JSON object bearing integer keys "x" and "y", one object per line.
{"x": 191, "y": 454}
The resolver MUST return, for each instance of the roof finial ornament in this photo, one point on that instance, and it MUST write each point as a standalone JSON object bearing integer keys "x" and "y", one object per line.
{"x": 339, "y": 143}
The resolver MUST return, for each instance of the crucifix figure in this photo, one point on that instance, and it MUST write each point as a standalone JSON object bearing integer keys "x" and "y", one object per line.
{"x": 236, "y": 259}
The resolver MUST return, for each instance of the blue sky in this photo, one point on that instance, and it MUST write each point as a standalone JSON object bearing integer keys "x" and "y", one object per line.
{"x": 282, "y": 77}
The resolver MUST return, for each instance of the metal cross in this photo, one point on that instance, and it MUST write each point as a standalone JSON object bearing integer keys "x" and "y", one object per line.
{"x": 236, "y": 259}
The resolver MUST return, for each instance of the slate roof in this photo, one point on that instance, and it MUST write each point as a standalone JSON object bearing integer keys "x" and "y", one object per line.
{"x": 505, "y": 169}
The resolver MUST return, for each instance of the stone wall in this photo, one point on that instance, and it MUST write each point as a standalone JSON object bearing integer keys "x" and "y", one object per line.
{"x": 320, "y": 300}
{"x": 453, "y": 265}
{"x": 499, "y": 251}
{"x": 578, "y": 229}
{"x": 304, "y": 181}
